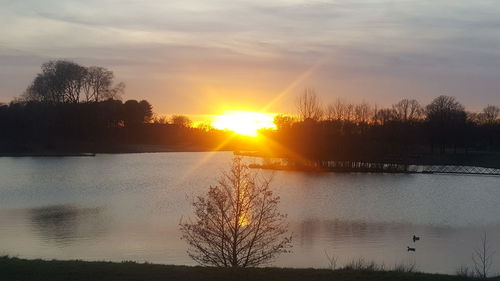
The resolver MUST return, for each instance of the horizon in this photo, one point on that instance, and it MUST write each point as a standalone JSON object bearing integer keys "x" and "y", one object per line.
{"x": 192, "y": 58}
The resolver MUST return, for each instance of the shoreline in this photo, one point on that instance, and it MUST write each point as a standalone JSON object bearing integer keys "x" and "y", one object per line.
{"x": 119, "y": 150}
{"x": 12, "y": 268}
{"x": 425, "y": 169}
{"x": 83, "y": 154}
{"x": 331, "y": 166}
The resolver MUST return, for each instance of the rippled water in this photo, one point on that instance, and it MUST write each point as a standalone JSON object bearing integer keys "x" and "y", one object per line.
{"x": 127, "y": 207}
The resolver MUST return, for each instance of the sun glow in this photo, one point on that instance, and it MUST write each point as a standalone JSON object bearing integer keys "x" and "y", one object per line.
{"x": 243, "y": 221}
{"x": 246, "y": 123}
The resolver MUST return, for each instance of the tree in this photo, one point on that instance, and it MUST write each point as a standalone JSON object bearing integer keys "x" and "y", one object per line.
{"x": 362, "y": 113}
{"x": 283, "y": 121}
{"x": 181, "y": 121}
{"x": 60, "y": 82}
{"x": 445, "y": 109}
{"x": 340, "y": 111}
{"x": 407, "y": 110}
{"x": 146, "y": 110}
{"x": 98, "y": 82}
{"x": 482, "y": 258}
{"x": 63, "y": 81}
{"x": 133, "y": 113}
{"x": 384, "y": 115}
{"x": 490, "y": 114}
{"x": 308, "y": 106}
{"x": 447, "y": 118}
{"x": 237, "y": 222}
{"x": 160, "y": 119}
{"x": 205, "y": 126}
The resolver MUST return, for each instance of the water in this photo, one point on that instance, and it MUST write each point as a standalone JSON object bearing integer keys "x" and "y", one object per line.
{"x": 128, "y": 206}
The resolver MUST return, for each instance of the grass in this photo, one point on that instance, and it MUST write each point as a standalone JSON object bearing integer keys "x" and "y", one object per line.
{"x": 27, "y": 270}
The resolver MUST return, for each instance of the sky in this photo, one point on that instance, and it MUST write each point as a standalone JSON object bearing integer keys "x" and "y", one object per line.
{"x": 205, "y": 56}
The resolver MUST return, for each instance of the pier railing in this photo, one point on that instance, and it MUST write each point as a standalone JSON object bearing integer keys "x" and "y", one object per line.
{"x": 466, "y": 170}
{"x": 372, "y": 167}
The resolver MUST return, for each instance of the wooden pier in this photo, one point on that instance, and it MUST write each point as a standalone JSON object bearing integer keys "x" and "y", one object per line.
{"x": 372, "y": 167}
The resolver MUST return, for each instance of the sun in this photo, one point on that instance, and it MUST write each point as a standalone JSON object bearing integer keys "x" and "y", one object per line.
{"x": 246, "y": 123}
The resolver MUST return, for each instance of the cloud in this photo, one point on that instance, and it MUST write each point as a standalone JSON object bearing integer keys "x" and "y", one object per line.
{"x": 180, "y": 50}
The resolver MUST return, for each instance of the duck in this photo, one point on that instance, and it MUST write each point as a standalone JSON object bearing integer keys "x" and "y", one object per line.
{"x": 415, "y": 238}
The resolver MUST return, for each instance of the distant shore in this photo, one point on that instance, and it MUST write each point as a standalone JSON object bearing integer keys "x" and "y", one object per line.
{"x": 482, "y": 159}
{"x": 85, "y": 151}
{"x": 27, "y": 270}
{"x": 47, "y": 154}
{"x": 487, "y": 160}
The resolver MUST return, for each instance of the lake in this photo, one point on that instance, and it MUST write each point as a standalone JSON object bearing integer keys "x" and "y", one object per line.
{"x": 127, "y": 207}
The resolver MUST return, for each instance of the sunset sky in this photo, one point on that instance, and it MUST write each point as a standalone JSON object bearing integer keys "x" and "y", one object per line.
{"x": 202, "y": 57}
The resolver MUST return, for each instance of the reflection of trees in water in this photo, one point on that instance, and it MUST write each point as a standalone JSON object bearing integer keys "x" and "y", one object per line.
{"x": 308, "y": 231}
{"x": 65, "y": 224}
{"x": 342, "y": 230}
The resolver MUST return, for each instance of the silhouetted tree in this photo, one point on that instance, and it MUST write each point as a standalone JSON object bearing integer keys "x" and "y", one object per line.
{"x": 64, "y": 81}
{"x": 181, "y": 121}
{"x": 133, "y": 114}
{"x": 60, "y": 81}
{"x": 160, "y": 119}
{"x": 446, "y": 117}
{"x": 237, "y": 223}
{"x": 362, "y": 113}
{"x": 445, "y": 109}
{"x": 309, "y": 106}
{"x": 408, "y": 110}
{"x": 205, "y": 126}
{"x": 98, "y": 83}
{"x": 382, "y": 116}
{"x": 340, "y": 111}
{"x": 482, "y": 258}
{"x": 490, "y": 114}
{"x": 283, "y": 122}
{"x": 147, "y": 111}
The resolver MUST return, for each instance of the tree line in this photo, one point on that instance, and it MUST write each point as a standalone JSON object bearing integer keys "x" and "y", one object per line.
{"x": 309, "y": 107}
{"x": 405, "y": 132}
{"x": 70, "y": 107}
{"x": 104, "y": 126}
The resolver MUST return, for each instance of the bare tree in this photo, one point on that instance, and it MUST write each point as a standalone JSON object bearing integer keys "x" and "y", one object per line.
{"x": 205, "y": 126}
{"x": 160, "y": 119}
{"x": 181, "y": 121}
{"x": 97, "y": 83}
{"x": 309, "y": 106}
{"x": 362, "y": 113}
{"x": 283, "y": 121}
{"x": 116, "y": 92}
{"x": 384, "y": 115}
{"x": 71, "y": 77}
{"x": 60, "y": 82}
{"x": 237, "y": 223}
{"x": 482, "y": 258}
{"x": 332, "y": 261}
{"x": 64, "y": 81}
{"x": 338, "y": 111}
{"x": 408, "y": 110}
{"x": 490, "y": 114}
{"x": 474, "y": 117}
{"x": 349, "y": 112}
{"x": 445, "y": 108}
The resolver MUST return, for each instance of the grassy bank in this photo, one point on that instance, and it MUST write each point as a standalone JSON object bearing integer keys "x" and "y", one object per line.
{"x": 23, "y": 270}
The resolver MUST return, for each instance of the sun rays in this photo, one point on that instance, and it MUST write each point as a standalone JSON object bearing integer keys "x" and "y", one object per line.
{"x": 246, "y": 123}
